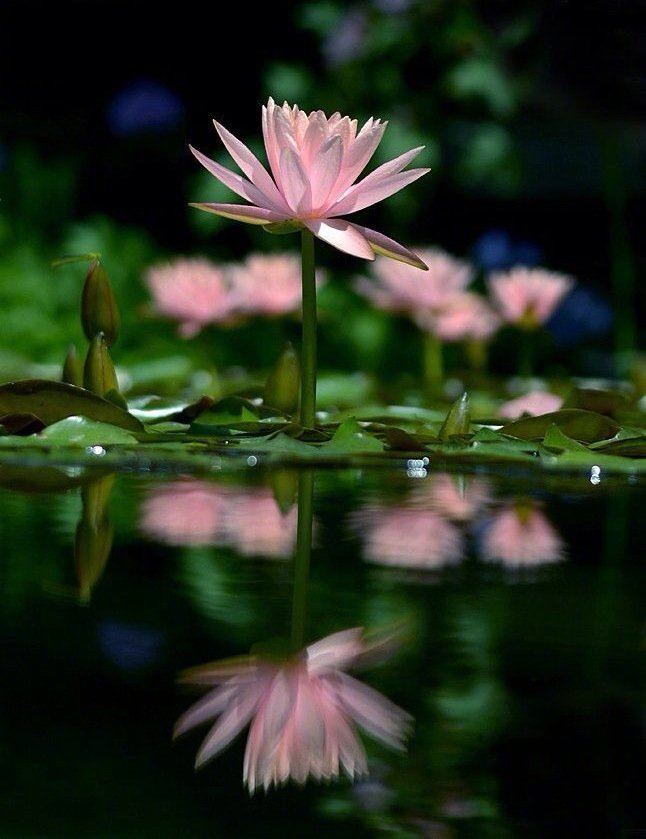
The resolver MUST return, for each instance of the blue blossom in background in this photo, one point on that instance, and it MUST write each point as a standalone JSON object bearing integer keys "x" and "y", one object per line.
{"x": 495, "y": 250}
{"x": 346, "y": 41}
{"x": 129, "y": 647}
{"x": 144, "y": 106}
{"x": 581, "y": 314}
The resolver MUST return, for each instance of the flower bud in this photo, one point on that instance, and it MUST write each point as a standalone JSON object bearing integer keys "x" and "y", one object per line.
{"x": 99, "y": 374}
{"x": 72, "y": 368}
{"x": 283, "y": 382}
{"x": 99, "y": 311}
{"x": 458, "y": 418}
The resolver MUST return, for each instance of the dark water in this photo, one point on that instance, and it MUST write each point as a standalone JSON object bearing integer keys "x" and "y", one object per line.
{"x": 514, "y": 606}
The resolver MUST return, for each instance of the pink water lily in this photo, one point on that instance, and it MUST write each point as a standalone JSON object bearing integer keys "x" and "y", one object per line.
{"x": 315, "y": 161}
{"x": 301, "y": 711}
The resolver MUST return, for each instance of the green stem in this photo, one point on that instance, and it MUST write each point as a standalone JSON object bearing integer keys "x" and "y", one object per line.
{"x": 433, "y": 363}
{"x": 302, "y": 558}
{"x": 308, "y": 348}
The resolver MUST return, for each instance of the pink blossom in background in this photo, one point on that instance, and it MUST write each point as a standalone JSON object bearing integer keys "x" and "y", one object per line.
{"x": 535, "y": 402}
{"x": 255, "y": 526}
{"x": 521, "y": 536}
{"x": 186, "y": 512}
{"x": 314, "y": 162}
{"x": 408, "y": 537}
{"x": 268, "y": 285}
{"x": 302, "y": 712}
{"x": 527, "y": 297}
{"x": 453, "y": 496}
{"x": 194, "y": 292}
{"x": 466, "y": 316}
{"x": 397, "y": 288}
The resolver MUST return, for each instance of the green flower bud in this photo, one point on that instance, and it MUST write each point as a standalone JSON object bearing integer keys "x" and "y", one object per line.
{"x": 99, "y": 311}
{"x": 99, "y": 374}
{"x": 283, "y": 383}
{"x": 458, "y": 418}
{"x": 72, "y": 368}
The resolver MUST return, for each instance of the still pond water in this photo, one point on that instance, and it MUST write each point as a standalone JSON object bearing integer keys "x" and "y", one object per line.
{"x": 513, "y": 609}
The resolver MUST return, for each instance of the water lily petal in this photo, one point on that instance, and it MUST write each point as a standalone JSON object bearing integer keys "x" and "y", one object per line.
{"x": 295, "y": 183}
{"x": 325, "y": 170}
{"x": 359, "y": 153}
{"x": 342, "y": 235}
{"x": 241, "y": 186}
{"x": 251, "y": 166}
{"x": 389, "y": 247}
{"x": 241, "y": 212}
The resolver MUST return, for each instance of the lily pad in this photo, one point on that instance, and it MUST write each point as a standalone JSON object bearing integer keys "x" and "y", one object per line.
{"x": 584, "y": 426}
{"x": 53, "y": 401}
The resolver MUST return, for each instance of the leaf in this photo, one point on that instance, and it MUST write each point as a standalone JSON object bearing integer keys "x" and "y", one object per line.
{"x": 53, "y": 401}
{"x": 75, "y": 431}
{"x": 611, "y": 403}
{"x": 556, "y": 439}
{"x": 351, "y": 438}
{"x": 632, "y": 447}
{"x": 584, "y": 426}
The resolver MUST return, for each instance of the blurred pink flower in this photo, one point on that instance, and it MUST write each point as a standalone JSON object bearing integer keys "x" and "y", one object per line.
{"x": 193, "y": 512}
{"x": 396, "y": 288}
{"x": 194, "y": 292}
{"x": 453, "y": 496}
{"x": 302, "y": 712}
{"x": 268, "y": 285}
{"x": 314, "y": 161}
{"x": 519, "y": 536}
{"x": 407, "y": 537}
{"x": 535, "y": 402}
{"x": 186, "y": 512}
{"x": 527, "y": 297}
{"x": 466, "y": 316}
{"x": 255, "y": 526}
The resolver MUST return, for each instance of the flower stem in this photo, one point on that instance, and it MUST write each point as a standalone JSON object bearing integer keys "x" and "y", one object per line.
{"x": 302, "y": 557}
{"x": 308, "y": 348}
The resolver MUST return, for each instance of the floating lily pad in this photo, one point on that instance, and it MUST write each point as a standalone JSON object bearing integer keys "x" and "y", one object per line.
{"x": 53, "y": 401}
{"x": 584, "y": 426}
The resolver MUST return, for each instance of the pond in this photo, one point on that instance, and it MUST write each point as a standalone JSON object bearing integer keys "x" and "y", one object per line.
{"x": 503, "y": 644}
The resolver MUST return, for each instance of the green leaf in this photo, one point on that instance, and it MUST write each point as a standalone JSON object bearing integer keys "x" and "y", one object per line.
{"x": 584, "y": 426}
{"x": 351, "y": 438}
{"x": 555, "y": 439}
{"x": 53, "y": 401}
{"x": 79, "y": 431}
{"x": 611, "y": 403}
{"x": 632, "y": 447}
{"x": 458, "y": 418}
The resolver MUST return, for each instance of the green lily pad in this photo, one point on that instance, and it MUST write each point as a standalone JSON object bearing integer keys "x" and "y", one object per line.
{"x": 556, "y": 439}
{"x": 53, "y": 401}
{"x": 584, "y": 426}
{"x": 351, "y": 438}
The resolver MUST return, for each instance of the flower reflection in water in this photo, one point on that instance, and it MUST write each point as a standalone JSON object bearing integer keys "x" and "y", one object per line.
{"x": 408, "y": 537}
{"x": 454, "y": 496}
{"x": 302, "y": 710}
{"x": 193, "y": 512}
{"x": 521, "y": 536}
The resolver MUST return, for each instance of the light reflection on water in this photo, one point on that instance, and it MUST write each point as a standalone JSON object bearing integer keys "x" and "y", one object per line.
{"x": 527, "y": 699}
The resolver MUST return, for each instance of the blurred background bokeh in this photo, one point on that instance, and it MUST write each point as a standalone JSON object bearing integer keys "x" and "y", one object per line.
{"x": 532, "y": 114}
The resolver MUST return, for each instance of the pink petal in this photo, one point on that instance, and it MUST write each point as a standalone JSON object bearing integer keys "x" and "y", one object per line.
{"x": 359, "y": 153}
{"x": 367, "y": 195}
{"x": 315, "y": 136}
{"x": 379, "y": 716}
{"x": 269, "y": 136}
{"x": 251, "y": 166}
{"x": 325, "y": 170}
{"x": 230, "y": 723}
{"x": 207, "y": 708}
{"x": 295, "y": 183}
{"x": 241, "y": 186}
{"x": 242, "y": 212}
{"x": 337, "y": 651}
{"x": 388, "y": 247}
{"x": 342, "y": 235}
